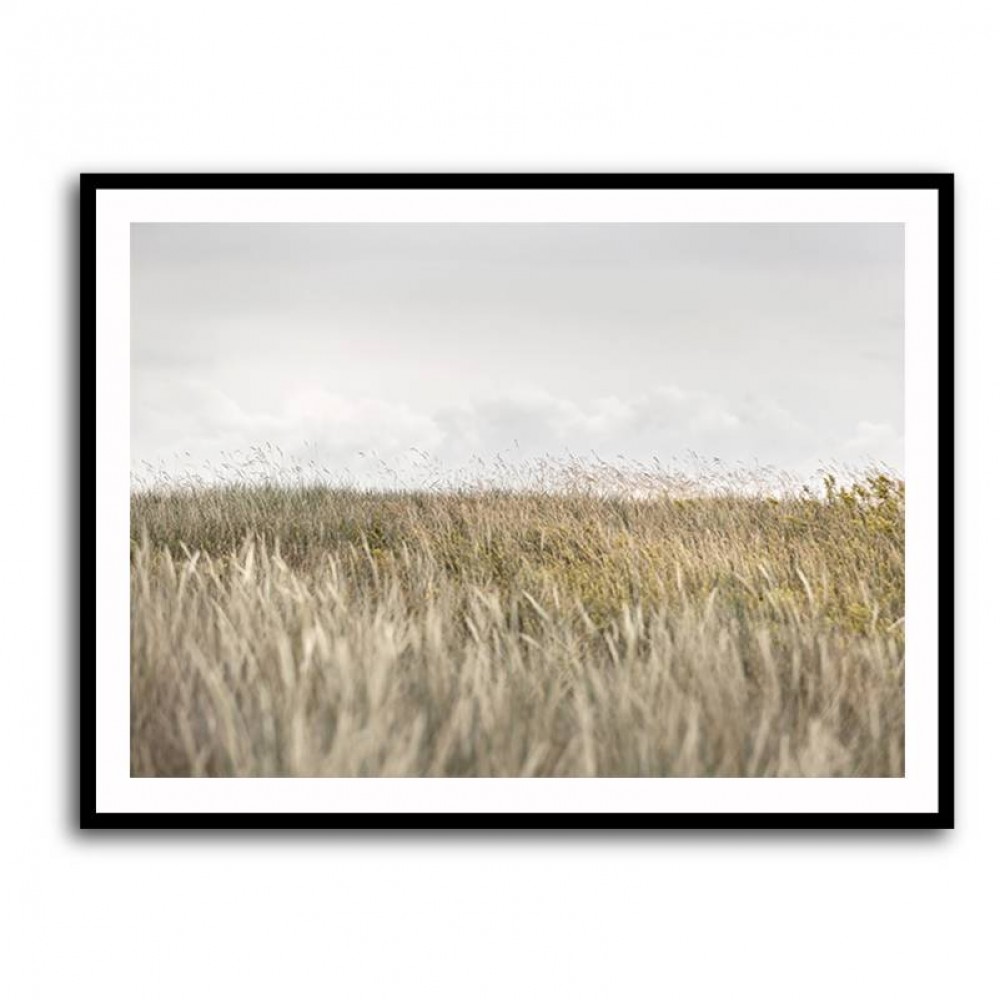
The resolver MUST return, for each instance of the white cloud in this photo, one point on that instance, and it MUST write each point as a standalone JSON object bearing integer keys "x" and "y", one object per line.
{"x": 875, "y": 442}
{"x": 346, "y": 435}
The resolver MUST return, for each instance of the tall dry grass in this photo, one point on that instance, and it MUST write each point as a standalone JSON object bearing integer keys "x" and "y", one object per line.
{"x": 290, "y": 630}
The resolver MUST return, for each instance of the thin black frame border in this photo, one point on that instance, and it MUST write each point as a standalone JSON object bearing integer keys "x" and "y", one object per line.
{"x": 943, "y": 818}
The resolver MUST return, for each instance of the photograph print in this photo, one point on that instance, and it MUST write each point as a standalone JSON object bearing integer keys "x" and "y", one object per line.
{"x": 606, "y": 480}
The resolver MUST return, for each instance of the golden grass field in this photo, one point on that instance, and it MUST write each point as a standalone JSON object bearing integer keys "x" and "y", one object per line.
{"x": 308, "y": 631}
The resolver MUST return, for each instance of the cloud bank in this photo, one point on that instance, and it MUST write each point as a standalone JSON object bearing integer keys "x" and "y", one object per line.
{"x": 363, "y": 440}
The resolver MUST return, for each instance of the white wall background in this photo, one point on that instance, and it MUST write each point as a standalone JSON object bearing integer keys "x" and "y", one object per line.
{"x": 442, "y": 86}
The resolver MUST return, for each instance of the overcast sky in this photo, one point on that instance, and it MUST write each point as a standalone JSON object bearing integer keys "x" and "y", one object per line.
{"x": 778, "y": 344}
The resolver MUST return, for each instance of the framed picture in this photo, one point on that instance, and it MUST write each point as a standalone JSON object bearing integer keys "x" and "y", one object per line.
{"x": 518, "y": 500}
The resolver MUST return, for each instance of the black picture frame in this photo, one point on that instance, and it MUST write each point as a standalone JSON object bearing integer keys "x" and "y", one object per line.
{"x": 91, "y": 184}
